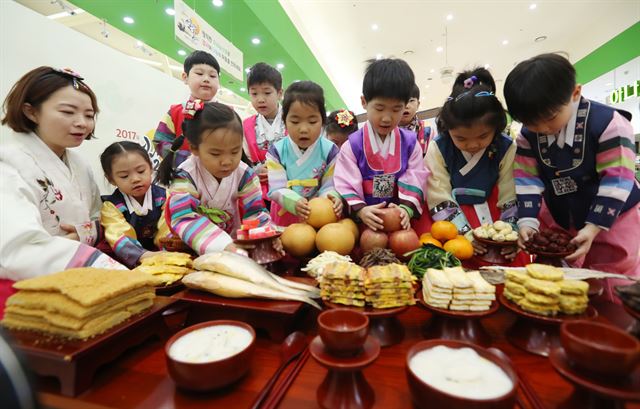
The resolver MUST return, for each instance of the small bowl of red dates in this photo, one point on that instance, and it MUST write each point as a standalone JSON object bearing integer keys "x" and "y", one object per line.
{"x": 550, "y": 243}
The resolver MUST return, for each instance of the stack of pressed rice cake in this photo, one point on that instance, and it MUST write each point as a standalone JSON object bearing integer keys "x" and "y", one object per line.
{"x": 78, "y": 303}
{"x": 456, "y": 290}
{"x": 541, "y": 290}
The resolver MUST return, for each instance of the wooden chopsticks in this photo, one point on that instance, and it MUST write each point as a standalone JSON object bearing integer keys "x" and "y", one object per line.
{"x": 274, "y": 399}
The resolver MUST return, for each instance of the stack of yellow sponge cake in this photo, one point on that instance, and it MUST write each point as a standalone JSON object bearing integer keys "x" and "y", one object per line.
{"x": 78, "y": 303}
{"x": 542, "y": 290}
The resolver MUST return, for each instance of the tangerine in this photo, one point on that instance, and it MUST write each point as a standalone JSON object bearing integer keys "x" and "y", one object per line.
{"x": 443, "y": 230}
{"x": 427, "y": 239}
{"x": 459, "y": 247}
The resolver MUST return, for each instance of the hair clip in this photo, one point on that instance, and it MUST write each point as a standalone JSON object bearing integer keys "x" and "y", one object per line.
{"x": 477, "y": 94}
{"x": 468, "y": 83}
{"x": 192, "y": 107}
{"x": 75, "y": 77}
{"x": 344, "y": 118}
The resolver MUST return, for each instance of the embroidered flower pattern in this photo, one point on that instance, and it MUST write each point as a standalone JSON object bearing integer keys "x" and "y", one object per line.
{"x": 51, "y": 196}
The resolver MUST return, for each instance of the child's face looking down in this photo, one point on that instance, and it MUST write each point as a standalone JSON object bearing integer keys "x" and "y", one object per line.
{"x": 474, "y": 138}
{"x": 131, "y": 173}
{"x": 557, "y": 121}
{"x": 384, "y": 114}
{"x": 219, "y": 151}
{"x": 203, "y": 81}
{"x": 304, "y": 124}
{"x": 264, "y": 98}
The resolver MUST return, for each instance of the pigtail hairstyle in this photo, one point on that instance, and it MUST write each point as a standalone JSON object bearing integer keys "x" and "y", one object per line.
{"x": 203, "y": 118}
{"x": 472, "y": 98}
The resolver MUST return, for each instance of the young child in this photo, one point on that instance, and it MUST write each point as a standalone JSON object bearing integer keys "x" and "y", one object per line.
{"x": 340, "y": 124}
{"x": 212, "y": 191}
{"x": 202, "y": 75}
{"x": 471, "y": 160}
{"x": 261, "y": 131}
{"x": 577, "y": 155}
{"x": 381, "y": 164}
{"x": 301, "y": 165}
{"x": 411, "y": 122}
{"x": 50, "y": 201}
{"x": 130, "y": 215}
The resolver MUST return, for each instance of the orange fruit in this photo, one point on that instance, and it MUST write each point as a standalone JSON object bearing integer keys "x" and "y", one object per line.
{"x": 459, "y": 247}
{"x": 430, "y": 240}
{"x": 444, "y": 230}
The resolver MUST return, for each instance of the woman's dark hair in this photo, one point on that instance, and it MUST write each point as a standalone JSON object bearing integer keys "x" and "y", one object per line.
{"x": 211, "y": 117}
{"x": 34, "y": 88}
{"x": 118, "y": 148}
{"x": 472, "y": 99}
{"x": 332, "y": 125}
{"x": 536, "y": 88}
{"x": 305, "y": 92}
{"x": 388, "y": 78}
{"x": 263, "y": 73}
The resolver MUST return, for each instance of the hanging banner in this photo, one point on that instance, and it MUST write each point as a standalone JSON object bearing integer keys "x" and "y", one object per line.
{"x": 197, "y": 34}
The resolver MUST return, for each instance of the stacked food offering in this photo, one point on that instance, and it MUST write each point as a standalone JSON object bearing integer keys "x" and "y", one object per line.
{"x": 542, "y": 290}
{"x": 385, "y": 286}
{"x": 167, "y": 267}
{"x": 452, "y": 288}
{"x": 389, "y": 286}
{"x": 78, "y": 303}
{"x": 343, "y": 283}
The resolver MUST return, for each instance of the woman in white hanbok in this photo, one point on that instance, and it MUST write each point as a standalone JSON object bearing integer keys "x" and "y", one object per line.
{"x": 50, "y": 201}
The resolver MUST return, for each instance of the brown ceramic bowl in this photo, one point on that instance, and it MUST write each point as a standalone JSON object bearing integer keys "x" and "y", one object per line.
{"x": 599, "y": 348}
{"x": 426, "y": 396}
{"x": 213, "y": 374}
{"x": 343, "y": 331}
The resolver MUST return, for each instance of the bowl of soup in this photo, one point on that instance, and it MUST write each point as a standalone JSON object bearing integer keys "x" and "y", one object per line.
{"x": 210, "y": 355}
{"x": 459, "y": 375}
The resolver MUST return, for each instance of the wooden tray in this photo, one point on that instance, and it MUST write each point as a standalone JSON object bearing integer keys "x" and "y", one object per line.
{"x": 276, "y": 317}
{"x": 457, "y": 325}
{"x": 74, "y": 362}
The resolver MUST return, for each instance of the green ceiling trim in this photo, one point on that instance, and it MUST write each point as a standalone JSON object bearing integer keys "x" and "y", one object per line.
{"x": 237, "y": 20}
{"x": 278, "y": 23}
{"x": 619, "y": 50}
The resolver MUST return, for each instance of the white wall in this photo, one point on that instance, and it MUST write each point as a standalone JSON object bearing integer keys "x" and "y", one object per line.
{"x": 131, "y": 95}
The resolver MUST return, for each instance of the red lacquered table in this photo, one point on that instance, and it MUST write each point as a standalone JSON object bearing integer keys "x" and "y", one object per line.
{"x": 139, "y": 378}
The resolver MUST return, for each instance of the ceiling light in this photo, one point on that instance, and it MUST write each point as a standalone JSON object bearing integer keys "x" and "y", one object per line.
{"x": 217, "y": 3}
{"x": 540, "y": 39}
{"x": 243, "y": 89}
{"x": 487, "y": 66}
{"x": 427, "y": 86}
{"x": 439, "y": 49}
{"x": 170, "y": 11}
{"x": 449, "y": 17}
{"x": 533, "y": 6}
{"x": 505, "y": 42}
{"x": 247, "y": 70}
{"x": 608, "y": 84}
{"x": 128, "y": 20}
{"x": 182, "y": 52}
{"x": 178, "y": 68}
{"x": 139, "y": 43}
{"x": 374, "y": 27}
{"x": 280, "y": 66}
{"x": 378, "y": 56}
{"x": 408, "y": 52}
{"x": 255, "y": 40}
{"x": 432, "y": 71}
